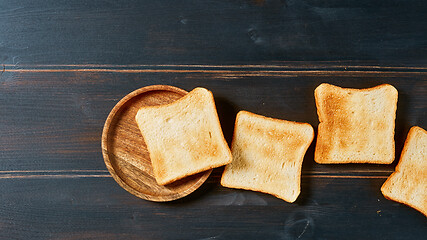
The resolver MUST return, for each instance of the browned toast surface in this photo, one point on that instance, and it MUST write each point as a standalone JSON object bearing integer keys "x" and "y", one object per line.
{"x": 184, "y": 137}
{"x": 356, "y": 125}
{"x": 408, "y": 184}
{"x": 267, "y": 155}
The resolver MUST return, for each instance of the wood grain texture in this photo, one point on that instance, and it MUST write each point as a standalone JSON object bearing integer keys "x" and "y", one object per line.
{"x": 53, "y": 120}
{"x": 97, "y": 208}
{"x": 218, "y": 32}
{"x": 125, "y": 152}
{"x": 65, "y": 64}
{"x": 56, "y": 184}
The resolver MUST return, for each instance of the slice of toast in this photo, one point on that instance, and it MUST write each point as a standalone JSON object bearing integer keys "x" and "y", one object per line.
{"x": 356, "y": 125}
{"x": 183, "y": 137}
{"x": 267, "y": 155}
{"x": 408, "y": 184}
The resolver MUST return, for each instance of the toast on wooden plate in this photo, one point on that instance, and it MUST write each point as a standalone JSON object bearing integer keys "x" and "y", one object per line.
{"x": 408, "y": 184}
{"x": 267, "y": 155}
{"x": 356, "y": 125}
{"x": 183, "y": 137}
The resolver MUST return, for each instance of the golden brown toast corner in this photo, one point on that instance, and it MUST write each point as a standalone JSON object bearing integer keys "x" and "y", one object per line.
{"x": 267, "y": 155}
{"x": 184, "y": 137}
{"x": 408, "y": 184}
{"x": 356, "y": 125}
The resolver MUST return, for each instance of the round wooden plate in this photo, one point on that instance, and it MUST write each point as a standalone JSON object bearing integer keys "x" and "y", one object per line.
{"x": 126, "y": 155}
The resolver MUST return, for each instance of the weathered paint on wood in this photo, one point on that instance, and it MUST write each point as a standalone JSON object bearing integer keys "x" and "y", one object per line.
{"x": 215, "y": 31}
{"x": 65, "y": 64}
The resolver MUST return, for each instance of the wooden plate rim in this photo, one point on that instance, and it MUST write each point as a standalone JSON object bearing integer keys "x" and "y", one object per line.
{"x": 104, "y": 141}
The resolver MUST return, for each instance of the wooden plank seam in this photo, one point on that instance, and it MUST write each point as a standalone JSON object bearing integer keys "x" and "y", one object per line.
{"x": 43, "y": 174}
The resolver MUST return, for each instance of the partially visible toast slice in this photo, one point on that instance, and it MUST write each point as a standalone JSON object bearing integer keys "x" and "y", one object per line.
{"x": 183, "y": 137}
{"x": 267, "y": 155}
{"x": 356, "y": 125}
{"x": 408, "y": 184}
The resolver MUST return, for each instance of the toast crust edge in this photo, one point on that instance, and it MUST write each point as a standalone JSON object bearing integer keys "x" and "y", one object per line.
{"x": 411, "y": 134}
{"x": 300, "y": 165}
{"x": 321, "y": 117}
{"x": 222, "y": 138}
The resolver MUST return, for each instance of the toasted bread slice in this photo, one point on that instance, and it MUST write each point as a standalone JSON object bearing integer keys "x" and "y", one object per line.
{"x": 408, "y": 184}
{"x": 267, "y": 155}
{"x": 356, "y": 125}
{"x": 183, "y": 137}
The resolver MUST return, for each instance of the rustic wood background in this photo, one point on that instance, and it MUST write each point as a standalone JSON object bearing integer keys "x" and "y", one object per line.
{"x": 65, "y": 64}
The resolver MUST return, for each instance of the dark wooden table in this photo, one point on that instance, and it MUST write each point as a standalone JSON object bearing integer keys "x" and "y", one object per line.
{"x": 65, "y": 64}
